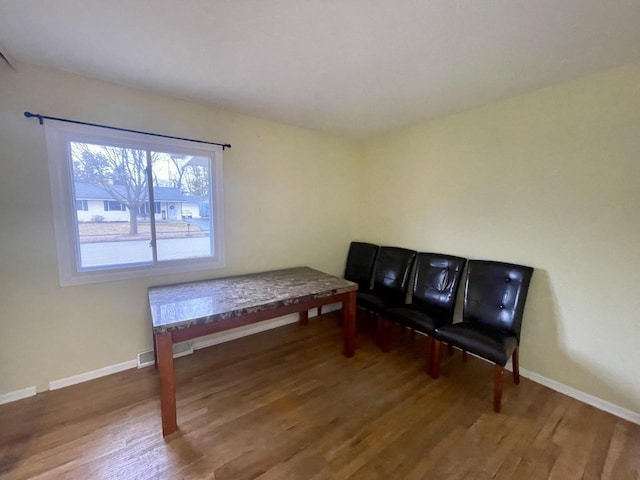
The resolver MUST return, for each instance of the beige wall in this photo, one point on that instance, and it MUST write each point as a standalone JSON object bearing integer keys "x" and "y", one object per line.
{"x": 552, "y": 180}
{"x": 289, "y": 200}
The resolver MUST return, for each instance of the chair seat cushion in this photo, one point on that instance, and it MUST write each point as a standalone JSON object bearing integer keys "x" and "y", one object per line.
{"x": 488, "y": 343}
{"x": 373, "y": 302}
{"x": 412, "y": 317}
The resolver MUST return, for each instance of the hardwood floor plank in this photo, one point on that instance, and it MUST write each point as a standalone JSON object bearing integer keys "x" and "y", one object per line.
{"x": 285, "y": 404}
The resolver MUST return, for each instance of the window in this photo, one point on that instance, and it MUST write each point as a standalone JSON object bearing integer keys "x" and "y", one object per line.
{"x": 144, "y": 209}
{"x": 114, "y": 205}
{"x": 103, "y": 183}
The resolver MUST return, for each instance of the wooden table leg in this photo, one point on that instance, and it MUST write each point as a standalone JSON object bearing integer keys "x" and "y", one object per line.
{"x": 349, "y": 324}
{"x": 164, "y": 345}
{"x": 155, "y": 351}
{"x": 304, "y": 317}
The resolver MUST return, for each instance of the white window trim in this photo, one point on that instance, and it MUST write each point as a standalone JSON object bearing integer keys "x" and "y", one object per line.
{"x": 63, "y": 204}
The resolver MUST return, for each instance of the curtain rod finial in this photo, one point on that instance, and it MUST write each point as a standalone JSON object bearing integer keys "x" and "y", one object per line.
{"x": 32, "y": 115}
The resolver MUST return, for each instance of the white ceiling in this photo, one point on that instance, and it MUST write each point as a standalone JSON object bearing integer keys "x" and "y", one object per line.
{"x": 352, "y": 67}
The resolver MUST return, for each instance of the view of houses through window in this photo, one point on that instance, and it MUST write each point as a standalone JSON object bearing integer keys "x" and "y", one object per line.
{"x": 115, "y": 223}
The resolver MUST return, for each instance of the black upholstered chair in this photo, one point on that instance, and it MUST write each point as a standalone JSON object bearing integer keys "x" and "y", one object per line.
{"x": 390, "y": 282}
{"x": 360, "y": 262}
{"x": 494, "y": 297}
{"x": 435, "y": 288}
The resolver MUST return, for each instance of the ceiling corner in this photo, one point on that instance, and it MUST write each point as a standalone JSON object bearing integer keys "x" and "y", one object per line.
{"x": 4, "y": 56}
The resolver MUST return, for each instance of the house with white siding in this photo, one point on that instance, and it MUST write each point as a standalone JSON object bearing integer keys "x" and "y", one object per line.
{"x": 94, "y": 203}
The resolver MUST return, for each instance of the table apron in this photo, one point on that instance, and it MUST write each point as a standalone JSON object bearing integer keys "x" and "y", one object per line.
{"x": 196, "y": 331}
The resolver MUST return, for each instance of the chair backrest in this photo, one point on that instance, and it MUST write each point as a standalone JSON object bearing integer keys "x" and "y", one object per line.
{"x": 360, "y": 262}
{"x": 436, "y": 283}
{"x": 495, "y": 294}
{"x": 391, "y": 273}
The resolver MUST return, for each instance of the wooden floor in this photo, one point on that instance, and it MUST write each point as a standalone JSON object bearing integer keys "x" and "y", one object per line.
{"x": 285, "y": 404}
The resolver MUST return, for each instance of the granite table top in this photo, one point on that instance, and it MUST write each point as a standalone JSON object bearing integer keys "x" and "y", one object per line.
{"x": 184, "y": 305}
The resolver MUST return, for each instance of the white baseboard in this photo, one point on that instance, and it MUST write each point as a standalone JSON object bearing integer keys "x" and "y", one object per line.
{"x": 247, "y": 330}
{"x": 93, "y": 374}
{"x": 229, "y": 335}
{"x": 17, "y": 395}
{"x": 600, "y": 404}
{"x": 240, "y": 332}
{"x": 612, "y": 408}
{"x": 214, "y": 340}
{"x": 181, "y": 349}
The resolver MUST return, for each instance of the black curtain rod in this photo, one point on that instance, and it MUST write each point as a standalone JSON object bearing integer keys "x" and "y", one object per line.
{"x": 42, "y": 118}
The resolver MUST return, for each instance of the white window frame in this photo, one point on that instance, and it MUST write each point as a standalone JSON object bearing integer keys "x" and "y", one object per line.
{"x": 58, "y": 136}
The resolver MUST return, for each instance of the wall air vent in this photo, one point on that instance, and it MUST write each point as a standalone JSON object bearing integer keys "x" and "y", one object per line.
{"x": 145, "y": 359}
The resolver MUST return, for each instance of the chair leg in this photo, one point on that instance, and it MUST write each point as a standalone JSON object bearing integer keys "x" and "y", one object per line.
{"x": 320, "y": 310}
{"x": 497, "y": 387}
{"x": 516, "y": 367}
{"x": 464, "y": 356}
{"x": 429, "y": 355}
{"x": 435, "y": 359}
{"x": 379, "y": 332}
{"x": 387, "y": 328}
{"x": 413, "y": 335}
{"x": 383, "y": 332}
{"x": 450, "y": 350}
